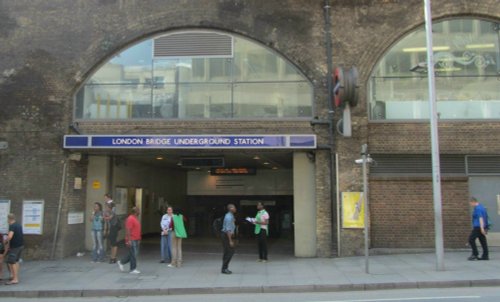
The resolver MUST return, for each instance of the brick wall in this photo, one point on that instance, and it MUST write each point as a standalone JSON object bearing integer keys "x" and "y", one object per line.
{"x": 454, "y": 138}
{"x": 403, "y": 217}
{"x": 48, "y": 49}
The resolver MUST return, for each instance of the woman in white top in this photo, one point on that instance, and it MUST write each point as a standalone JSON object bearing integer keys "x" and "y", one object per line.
{"x": 166, "y": 236}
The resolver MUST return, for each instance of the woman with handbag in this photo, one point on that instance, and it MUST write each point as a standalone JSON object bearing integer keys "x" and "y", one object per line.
{"x": 178, "y": 233}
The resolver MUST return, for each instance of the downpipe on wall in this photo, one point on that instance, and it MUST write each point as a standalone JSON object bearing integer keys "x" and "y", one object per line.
{"x": 331, "y": 124}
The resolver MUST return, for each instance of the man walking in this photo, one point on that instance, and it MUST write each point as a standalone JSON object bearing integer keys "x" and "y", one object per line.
{"x": 479, "y": 228}
{"x": 132, "y": 240}
{"x": 228, "y": 228}
{"x": 16, "y": 245}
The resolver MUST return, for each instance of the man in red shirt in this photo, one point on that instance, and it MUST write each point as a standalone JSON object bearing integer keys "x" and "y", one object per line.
{"x": 132, "y": 240}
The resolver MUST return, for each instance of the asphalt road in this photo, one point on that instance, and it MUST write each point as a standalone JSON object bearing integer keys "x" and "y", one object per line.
{"x": 475, "y": 294}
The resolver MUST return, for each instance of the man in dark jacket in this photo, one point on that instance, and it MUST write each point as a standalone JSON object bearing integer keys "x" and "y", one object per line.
{"x": 16, "y": 245}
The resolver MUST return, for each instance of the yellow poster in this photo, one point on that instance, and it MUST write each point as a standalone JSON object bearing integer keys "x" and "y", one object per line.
{"x": 96, "y": 185}
{"x": 353, "y": 210}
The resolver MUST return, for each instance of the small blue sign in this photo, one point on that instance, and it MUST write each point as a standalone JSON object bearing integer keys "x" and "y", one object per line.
{"x": 189, "y": 141}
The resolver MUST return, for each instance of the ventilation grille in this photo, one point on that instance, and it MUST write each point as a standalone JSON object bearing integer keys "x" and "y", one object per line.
{"x": 416, "y": 164}
{"x": 193, "y": 45}
{"x": 485, "y": 165}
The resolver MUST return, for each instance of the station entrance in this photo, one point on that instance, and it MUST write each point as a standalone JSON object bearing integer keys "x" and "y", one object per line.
{"x": 200, "y": 185}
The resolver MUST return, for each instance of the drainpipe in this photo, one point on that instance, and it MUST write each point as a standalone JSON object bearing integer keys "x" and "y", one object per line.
{"x": 331, "y": 111}
{"x": 59, "y": 208}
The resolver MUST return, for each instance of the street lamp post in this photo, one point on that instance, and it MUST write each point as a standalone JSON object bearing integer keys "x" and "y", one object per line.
{"x": 364, "y": 149}
{"x": 364, "y": 160}
{"x": 436, "y": 173}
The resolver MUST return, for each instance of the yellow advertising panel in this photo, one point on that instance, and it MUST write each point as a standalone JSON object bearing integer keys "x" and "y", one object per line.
{"x": 353, "y": 210}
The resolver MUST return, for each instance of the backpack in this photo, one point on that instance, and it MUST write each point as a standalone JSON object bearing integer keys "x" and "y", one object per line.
{"x": 217, "y": 226}
{"x": 118, "y": 223}
{"x": 487, "y": 223}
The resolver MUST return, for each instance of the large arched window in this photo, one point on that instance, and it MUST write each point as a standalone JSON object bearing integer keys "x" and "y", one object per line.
{"x": 467, "y": 55}
{"x": 195, "y": 75}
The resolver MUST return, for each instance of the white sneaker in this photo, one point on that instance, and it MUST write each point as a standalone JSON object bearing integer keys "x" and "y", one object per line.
{"x": 135, "y": 272}
{"x": 120, "y": 265}
{"x": 170, "y": 265}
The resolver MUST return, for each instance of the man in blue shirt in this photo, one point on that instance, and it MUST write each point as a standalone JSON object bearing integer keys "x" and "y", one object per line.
{"x": 479, "y": 228}
{"x": 228, "y": 229}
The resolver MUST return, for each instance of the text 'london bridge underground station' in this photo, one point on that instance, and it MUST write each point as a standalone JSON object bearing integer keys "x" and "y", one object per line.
{"x": 190, "y": 141}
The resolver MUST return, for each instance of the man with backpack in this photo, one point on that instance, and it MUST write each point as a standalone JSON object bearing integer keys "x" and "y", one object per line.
{"x": 227, "y": 233}
{"x": 479, "y": 229}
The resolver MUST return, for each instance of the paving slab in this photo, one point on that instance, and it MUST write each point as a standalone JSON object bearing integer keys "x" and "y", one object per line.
{"x": 200, "y": 274}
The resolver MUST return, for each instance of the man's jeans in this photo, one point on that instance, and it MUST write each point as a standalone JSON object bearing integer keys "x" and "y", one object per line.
{"x": 228, "y": 251}
{"x": 166, "y": 247}
{"x": 97, "y": 250}
{"x": 133, "y": 251}
{"x": 475, "y": 234}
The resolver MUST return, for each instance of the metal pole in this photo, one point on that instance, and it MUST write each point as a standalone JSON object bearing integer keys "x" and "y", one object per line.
{"x": 61, "y": 195}
{"x": 436, "y": 173}
{"x": 364, "y": 149}
{"x": 337, "y": 186}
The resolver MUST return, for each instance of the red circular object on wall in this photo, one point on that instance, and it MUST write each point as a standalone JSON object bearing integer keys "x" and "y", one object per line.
{"x": 338, "y": 86}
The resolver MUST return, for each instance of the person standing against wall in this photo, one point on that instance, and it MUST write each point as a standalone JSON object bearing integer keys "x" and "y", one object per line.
{"x": 132, "y": 240}
{"x": 166, "y": 236}
{"x": 228, "y": 229}
{"x": 97, "y": 220}
{"x": 16, "y": 244}
{"x": 3, "y": 252}
{"x": 178, "y": 233}
{"x": 107, "y": 198}
{"x": 261, "y": 222}
{"x": 112, "y": 227}
{"x": 479, "y": 230}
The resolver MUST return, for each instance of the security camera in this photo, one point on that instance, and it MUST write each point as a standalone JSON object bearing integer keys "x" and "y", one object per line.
{"x": 369, "y": 160}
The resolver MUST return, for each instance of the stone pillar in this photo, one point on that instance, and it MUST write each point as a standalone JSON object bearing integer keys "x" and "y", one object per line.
{"x": 98, "y": 171}
{"x": 304, "y": 205}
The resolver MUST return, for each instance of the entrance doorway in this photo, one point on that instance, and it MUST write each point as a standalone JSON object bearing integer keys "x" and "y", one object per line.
{"x": 153, "y": 181}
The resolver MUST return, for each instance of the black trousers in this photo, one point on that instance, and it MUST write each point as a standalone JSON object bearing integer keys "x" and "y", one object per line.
{"x": 475, "y": 234}
{"x": 262, "y": 240}
{"x": 228, "y": 251}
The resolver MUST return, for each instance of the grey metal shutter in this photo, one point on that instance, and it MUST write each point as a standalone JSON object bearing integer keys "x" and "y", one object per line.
{"x": 416, "y": 164}
{"x": 483, "y": 165}
{"x": 193, "y": 44}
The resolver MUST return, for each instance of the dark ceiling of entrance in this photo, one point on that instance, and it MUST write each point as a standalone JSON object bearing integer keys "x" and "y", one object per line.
{"x": 232, "y": 159}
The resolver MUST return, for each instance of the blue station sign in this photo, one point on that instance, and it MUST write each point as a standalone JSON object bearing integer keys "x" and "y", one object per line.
{"x": 298, "y": 141}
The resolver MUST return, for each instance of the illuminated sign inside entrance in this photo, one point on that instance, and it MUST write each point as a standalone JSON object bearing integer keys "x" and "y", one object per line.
{"x": 233, "y": 171}
{"x": 298, "y": 141}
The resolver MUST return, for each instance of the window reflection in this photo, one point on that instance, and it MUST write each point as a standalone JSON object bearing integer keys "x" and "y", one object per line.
{"x": 252, "y": 83}
{"x": 466, "y": 53}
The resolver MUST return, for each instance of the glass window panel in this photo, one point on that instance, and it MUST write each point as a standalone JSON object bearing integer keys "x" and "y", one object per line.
{"x": 164, "y": 71}
{"x": 131, "y": 65}
{"x": 270, "y": 100}
{"x": 204, "y": 101}
{"x": 437, "y": 28}
{"x": 253, "y": 62}
{"x": 466, "y": 71}
{"x": 116, "y": 102}
{"x": 195, "y": 87}
{"x": 165, "y": 104}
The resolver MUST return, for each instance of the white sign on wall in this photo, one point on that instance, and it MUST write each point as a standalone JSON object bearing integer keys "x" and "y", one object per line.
{"x": 4, "y": 211}
{"x": 75, "y": 217}
{"x": 33, "y": 217}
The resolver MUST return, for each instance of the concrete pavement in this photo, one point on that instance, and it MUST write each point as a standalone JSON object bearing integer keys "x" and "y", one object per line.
{"x": 78, "y": 277}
